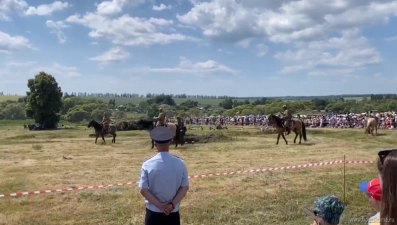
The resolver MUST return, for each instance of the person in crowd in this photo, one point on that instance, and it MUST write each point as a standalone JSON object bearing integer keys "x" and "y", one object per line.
{"x": 164, "y": 181}
{"x": 388, "y": 178}
{"x": 327, "y": 210}
{"x": 374, "y": 191}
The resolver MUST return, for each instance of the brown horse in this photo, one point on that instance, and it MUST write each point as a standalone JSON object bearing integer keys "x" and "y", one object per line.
{"x": 298, "y": 128}
{"x": 372, "y": 123}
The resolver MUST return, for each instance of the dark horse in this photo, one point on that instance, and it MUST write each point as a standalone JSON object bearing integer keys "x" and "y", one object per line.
{"x": 179, "y": 131}
{"x": 100, "y": 130}
{"x": 298, "y": 128}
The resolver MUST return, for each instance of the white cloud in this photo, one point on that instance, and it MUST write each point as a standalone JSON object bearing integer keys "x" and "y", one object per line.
{"x": 56, "y": 28}
{"x": 261, "y": 50}
{"x": 9, "y": 7}
{"x": 110, "y": 7}
{"x": 391, "y": 38}
{"x": 21, "y": 64}
{"x": 284, "y": 21}
{"x": 11, "y": 43}
{"x": 198, "y": 68}
{"x": 224, "y": 51}
{"x": 342, "y": 55}
{"x": 6, "y": 52}
{"x": 245, "y": 43}
{"x": 57, "y": 70}
{"x": 126, "y": 30}
{"x": 378, "y": 75}
{"x": 309, "y": 26}
{"x": 112, "y": 55}
{"x": 46, "y": 9}
{"x": 161, "y": 7}
{"x": 113, "y": 7}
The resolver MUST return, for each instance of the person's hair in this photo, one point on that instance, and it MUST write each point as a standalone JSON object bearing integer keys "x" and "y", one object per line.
{"x": 388, "y": 213}
{"x": 380, "y": 166}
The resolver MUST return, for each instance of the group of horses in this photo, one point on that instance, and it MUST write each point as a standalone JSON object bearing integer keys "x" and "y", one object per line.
{"x": 297, "y": 126}
{"x": 148, "y": 125}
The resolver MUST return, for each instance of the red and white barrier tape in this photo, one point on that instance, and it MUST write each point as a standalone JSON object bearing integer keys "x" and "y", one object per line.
{"x": 17, "y": 194}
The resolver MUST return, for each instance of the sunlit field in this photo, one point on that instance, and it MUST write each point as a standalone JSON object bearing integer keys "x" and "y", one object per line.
{"x": 4, "y": 98}
{"x": 36, "y": 160}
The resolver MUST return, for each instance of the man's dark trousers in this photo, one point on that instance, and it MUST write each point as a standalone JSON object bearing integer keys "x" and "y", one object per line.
{"x": 156, "y": 218}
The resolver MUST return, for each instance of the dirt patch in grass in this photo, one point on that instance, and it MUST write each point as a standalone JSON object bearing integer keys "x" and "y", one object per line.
{"x": 207, "y": 138}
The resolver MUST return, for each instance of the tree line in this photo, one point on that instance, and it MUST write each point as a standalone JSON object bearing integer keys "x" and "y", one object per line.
{"x": 381, "y": 103}
{"x": 182, "y": 96}
{"x": 47, "y": 104}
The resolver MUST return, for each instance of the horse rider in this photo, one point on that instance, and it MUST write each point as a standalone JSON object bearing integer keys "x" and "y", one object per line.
{"x": 287, "y": 119}
{"x": 180, "y": 121}
{"x": 370, "y": 114}
{"x": 161, "y": 118}
{"x": 106, "y": 122}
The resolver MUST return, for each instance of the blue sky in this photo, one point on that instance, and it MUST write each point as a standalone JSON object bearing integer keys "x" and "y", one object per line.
{"x": 219, "y": 47}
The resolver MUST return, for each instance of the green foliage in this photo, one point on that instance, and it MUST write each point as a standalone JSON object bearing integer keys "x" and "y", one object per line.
{"x": 76, "y": 109}
{"x": 12, "y": 110}
{"x": 189, "y": 104}
{"x": 112, "y": 104}
{"x": 247, "y": 110}
{"x": 162, "y": 99}
{"x": 227, "y": 103}
{"x": 44, "y": 100}
{"x": 153, "y": 110}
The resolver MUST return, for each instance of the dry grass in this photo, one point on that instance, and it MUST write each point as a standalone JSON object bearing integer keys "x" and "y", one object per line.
{"x": 33, "y": 160}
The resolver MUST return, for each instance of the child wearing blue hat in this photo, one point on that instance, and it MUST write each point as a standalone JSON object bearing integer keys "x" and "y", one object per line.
{"x": 327, "y": 210}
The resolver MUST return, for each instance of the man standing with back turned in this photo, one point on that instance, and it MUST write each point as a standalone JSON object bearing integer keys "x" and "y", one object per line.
{"x": 164, "y": 181}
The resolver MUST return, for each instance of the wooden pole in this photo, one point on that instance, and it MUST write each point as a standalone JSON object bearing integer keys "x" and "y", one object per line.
{"x": 344, "y": 178}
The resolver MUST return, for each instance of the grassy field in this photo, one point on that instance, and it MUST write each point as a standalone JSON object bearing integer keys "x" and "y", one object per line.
{"x": 355, "y": 98}
{"x": 35, "y": 160}
{"x": 4, "y": 98}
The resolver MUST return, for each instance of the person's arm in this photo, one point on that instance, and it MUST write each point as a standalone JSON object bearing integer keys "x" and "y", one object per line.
{"x": 183, "y": 188}
{"x": 144, "y": 190}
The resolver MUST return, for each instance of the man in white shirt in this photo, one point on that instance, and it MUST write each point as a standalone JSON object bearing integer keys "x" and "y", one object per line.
{"x": 164, "y": 181}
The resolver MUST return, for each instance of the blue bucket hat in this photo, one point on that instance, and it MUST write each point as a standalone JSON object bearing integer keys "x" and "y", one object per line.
{"x": 329, "y": 208}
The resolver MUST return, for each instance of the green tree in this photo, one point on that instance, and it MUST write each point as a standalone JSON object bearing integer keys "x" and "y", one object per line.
{"x": 44, "y": 100}
{"x": 162, "y": 99}
{"x": 153, "y": 111}
{"x": 227, "y": 103}
{"x": 189, "y": 104}
{"x": 112, "y": 103}
{"x": 14, "y": 111}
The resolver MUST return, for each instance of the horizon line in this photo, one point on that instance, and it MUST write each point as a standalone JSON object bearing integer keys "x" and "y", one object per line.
{"x": 217, "y": 96}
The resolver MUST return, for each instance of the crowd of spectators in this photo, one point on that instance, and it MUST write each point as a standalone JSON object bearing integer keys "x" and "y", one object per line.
{"x": 387, "y": 120}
